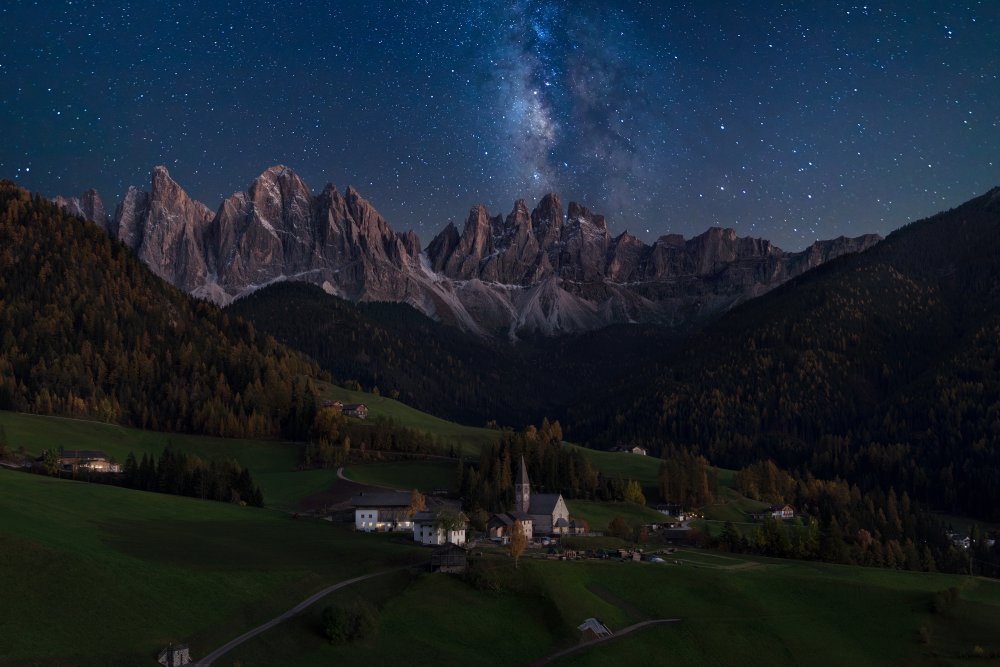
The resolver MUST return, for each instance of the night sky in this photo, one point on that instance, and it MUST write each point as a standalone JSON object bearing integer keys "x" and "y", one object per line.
{"x": 791, "y": 121}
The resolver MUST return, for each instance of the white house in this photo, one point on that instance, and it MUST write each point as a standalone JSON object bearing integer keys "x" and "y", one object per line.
{"x": 430, "y": 528}
{"x": 382, "y": 512}
{"x": 783, "y": 512}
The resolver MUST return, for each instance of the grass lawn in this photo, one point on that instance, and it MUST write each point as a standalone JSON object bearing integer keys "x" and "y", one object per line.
{"x": 427, "y": 476}
{"x": 599, "y": 515}
{"x": 97, "y": 575}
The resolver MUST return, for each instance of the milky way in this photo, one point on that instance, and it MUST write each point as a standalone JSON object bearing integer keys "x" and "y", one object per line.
{"x": 791, "y": 121}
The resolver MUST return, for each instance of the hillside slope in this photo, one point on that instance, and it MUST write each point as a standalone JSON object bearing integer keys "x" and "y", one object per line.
{"x": 87, "y": 330}
{"x": 882, "y": 367}
{"x": 440, "y": 369}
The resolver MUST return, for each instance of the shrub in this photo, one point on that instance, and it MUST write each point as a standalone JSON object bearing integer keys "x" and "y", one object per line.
{"x": 355, "y": 622}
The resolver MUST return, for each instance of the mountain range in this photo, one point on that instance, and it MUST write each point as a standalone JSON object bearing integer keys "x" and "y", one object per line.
{"x": 541, "y": 271}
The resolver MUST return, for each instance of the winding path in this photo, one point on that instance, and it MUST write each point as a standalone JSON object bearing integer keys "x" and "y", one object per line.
{"x": 620, "y": 633}
{"x": 229, "y": 646}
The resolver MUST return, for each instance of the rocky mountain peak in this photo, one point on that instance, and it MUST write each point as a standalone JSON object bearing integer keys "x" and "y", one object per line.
{"x": 165, "y": 228}
{"x": 88, "y": 205}
{"x": 541, "y": 269}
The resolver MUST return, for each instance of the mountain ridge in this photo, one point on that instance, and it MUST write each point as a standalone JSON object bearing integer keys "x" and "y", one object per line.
{"x": 538, "y": 271}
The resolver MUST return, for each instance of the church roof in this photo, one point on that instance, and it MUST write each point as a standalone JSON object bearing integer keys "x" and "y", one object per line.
{"x": 544, "y": 503}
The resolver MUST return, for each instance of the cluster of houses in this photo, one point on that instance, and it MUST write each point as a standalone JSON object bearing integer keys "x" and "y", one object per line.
{"x": 540, "y": 514}
{"x": 392, "y": 511}
{"x": 357, "y": 410}
{"x": 965, "y": 541}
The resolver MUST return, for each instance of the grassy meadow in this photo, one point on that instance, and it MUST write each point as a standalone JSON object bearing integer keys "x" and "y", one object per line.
{"x": 427, "y": 476}
{"x": 468, "y": 440}
{"x": 769, "y": 612}
{"x": 599, "y": 515}
{"x": 271, "y": 462}
{"x": 97, "y": 575}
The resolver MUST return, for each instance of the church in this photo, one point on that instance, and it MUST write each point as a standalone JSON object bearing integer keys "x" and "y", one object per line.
{"x": 539, "y": 514}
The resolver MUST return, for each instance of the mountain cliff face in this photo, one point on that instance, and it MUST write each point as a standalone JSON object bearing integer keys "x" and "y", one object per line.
{"x": 531, "y": 272}
{"x": 88, "y": 205}
{"x": 569, "y": 274}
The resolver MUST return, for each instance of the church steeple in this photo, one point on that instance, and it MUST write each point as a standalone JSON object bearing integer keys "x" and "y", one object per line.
{"x": 522, "y": 489}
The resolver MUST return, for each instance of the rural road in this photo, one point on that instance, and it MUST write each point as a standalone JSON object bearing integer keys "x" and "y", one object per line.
{"x": 620, "y": 633}
{"x": 229, "y": 646}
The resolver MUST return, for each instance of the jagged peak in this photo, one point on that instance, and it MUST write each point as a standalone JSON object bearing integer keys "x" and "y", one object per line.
{"x": 672, "y": 240}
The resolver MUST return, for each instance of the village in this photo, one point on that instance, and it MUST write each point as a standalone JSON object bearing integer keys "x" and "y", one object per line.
{"x": 535, "y": 525}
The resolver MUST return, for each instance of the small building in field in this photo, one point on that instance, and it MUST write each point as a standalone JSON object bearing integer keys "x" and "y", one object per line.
{"x": 593, "y": 629}
{"x": 451, "y": 558}
{"x": 87, "y": 459}
{"x": 432, "y": 528}
{"x": 782, "y": 512}
{"x": 358, "y": 410}
{"x": 382, "y": 512}
{"x": 641, "y": 451}
{"x": 174, "y": 655}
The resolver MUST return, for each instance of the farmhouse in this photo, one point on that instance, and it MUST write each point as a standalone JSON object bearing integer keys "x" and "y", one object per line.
{"x": 87, "y": 459}
{"x": 441, "y": 527}
{"x": 359, "y": 410}
{"x": 783, "y": 512}
{"x": 382, "y": 512}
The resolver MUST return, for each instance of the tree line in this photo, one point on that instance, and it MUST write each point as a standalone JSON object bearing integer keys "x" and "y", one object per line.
{"x": 840, "y": 523}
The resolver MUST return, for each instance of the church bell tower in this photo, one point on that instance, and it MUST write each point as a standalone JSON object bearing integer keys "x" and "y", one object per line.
{"x": 522, "y": 489}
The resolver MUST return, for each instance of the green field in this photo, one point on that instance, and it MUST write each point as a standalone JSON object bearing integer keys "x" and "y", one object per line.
{"x": 466, "y": 439}
{"x": 644, "y": 469}
{"x": 272, "y": 463}
{"x": 427, "y": 476}
{"x": 599, "y": 515}
{"x": 769, "y": 612}
{"x": 97, "y": 575}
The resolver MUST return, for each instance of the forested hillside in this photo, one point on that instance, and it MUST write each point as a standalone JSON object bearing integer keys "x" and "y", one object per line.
{"x": 87, "y": 330}
{"x": 882, "y": 367}
{"x": 441, "y": 369}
